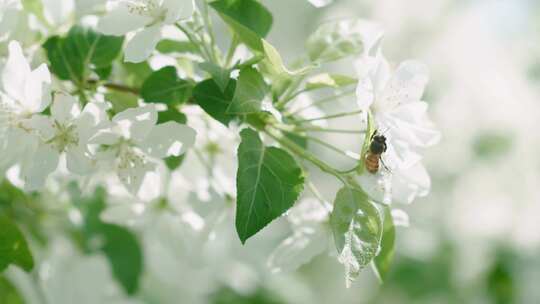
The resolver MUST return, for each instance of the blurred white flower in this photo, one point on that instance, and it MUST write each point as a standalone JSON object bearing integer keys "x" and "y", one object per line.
{"x": 8, "y": 16}
{"x": 146, "y": 18}
{"x": 135, "y": 138}
{"x": 310, "y": 236}
{"x": 24, "y": 94}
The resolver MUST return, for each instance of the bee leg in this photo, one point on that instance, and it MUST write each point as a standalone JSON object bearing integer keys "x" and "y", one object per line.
{"x": 384, "y": 165}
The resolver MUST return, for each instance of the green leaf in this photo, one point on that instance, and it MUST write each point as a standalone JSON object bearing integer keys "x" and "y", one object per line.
{"x": 357, "y": 227}
{"x": 336, "y": 40}
{"x": 104, "y": 73}
{"x": 121, "y": 101}
{"x": 215, "y": 102}
{"x": 326, "y": 80}
{"x": 8, "y": 293}
{"x": 384, "y": 259}
{"x": 275, "y": 63}
{"x": 124, "y": 253}
{"x": 164, "y": 86}
{"x": 174, "y": 162}
{"x": 81, "y": 51}
{"x": 220, "y": 75}
{"x": 269, "y": 181}
{"x": 250, "y": 92}
{"x": 168, "y": 46}
{"x": 249, "y": 20}
{"x": 134, "y": 74}
{"x": 171, "y": 114}
{"x": 119, "y": 245}
{"x": 13, "y": 246}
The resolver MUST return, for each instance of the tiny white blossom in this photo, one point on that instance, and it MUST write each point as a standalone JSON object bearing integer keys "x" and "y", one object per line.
{"x": 146, "y": 18}
{"x": 134, "y": 139}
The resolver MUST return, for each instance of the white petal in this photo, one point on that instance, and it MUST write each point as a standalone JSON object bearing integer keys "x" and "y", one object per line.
{"x": 407, "y": 84}
{"x": 93, "y": 118}
{"x": 133, "y": 175}
{"x": 120, "y": 21}
{"x": 416, "y": 127}
{"x": 136, "y": 123}
{"x": 373, "y": 73}
{"x": 42, "y": 125}
{"x": 37, "y": 90}
{"x": 78, "y": 162}
{"x": 14, "y": 143}
{"x": 141, "y": 46}
{"x": 105, "y": 137}
{"x": 400, "y": 218}
{"x": 309, "y": 211}
{"x": 364, "y": 94}
{"x": 377, "y": 186}
{"x": 65, "y": 108}
{"x": 409, "y": 183}
{"x": 168, "y": 139}
{"x": 37, "y": 167}
{"x": 15, "y": 72}
{"x": 298, "y": 249}
{"x": 177, "y": 9}
{"x": 320, "y": 3}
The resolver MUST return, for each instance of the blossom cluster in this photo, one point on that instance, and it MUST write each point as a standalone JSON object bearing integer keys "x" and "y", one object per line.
{"x": 35, "y": 141}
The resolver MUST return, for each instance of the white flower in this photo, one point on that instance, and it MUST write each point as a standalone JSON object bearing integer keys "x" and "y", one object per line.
{"x": 395, "y": 101}
{"x": 135, "y": 138}
{"x": 146, "y": 17}
{"x": 401, "y": 116}
{"x": 69, "y": 129}
{"x": 24, "y": 94}
{"x": 310, "y": 236}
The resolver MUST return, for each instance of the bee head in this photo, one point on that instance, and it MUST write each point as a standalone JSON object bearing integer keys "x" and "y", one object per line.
{"x": 380, "y": 139}
{"x": 378, "y": 144}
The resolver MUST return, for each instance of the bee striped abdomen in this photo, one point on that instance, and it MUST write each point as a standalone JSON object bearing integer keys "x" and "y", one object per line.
{"x": 372, "y": 162}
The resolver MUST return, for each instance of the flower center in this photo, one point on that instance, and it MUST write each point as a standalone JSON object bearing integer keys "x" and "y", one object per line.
{"x": 65, "y": 136}
{"x": 146, "y": 8}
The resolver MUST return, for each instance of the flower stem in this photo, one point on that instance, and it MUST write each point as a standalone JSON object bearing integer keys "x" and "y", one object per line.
{"x": 210, "y": 30}
{"x": 302, "y": 153}
{"x": 290, "y": 128}
{"x": 331, "y": 147}
{"x": 322, "y": 101}
{"x": 200, "y": 44}
{"x": 338, "y": 115}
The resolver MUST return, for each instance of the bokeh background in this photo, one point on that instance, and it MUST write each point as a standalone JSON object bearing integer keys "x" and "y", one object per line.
{"x": 474, "y": 239}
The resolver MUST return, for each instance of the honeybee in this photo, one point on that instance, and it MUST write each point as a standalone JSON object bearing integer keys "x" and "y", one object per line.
{"x": 376, "y": 148}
